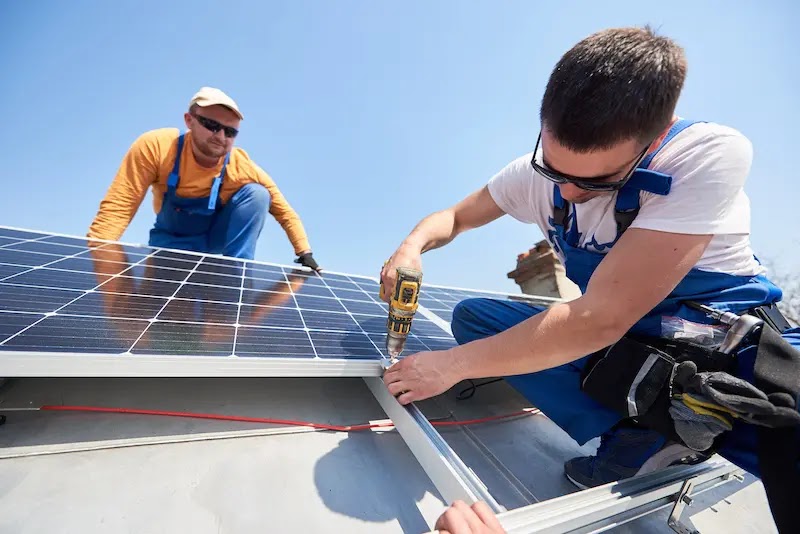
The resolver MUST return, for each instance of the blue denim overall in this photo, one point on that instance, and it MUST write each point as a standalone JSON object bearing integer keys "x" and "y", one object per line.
{"x": 206, "y": 225}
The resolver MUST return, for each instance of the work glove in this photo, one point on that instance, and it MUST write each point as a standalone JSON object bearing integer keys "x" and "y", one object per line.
{"x": 307, "y": 260}
{"x": 697, "y": 421}
{"x": 738, "y": 396}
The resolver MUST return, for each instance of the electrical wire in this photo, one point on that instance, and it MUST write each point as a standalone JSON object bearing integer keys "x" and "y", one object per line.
{"x": 285, "y": 422}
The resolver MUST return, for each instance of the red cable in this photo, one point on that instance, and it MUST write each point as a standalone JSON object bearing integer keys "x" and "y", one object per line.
{"x": 287, "y": 422}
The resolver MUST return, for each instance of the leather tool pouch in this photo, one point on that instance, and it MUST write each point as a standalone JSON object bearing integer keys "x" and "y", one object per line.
{"x": 633, "y": 377}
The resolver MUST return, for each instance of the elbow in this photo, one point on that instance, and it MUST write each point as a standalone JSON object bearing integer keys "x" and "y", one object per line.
{"x": 606, "y": 323}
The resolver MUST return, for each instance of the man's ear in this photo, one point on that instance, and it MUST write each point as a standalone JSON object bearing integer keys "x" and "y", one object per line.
{"x": 187, "y": 118}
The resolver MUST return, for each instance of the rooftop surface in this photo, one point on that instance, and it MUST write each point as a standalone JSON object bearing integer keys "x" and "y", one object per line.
{"x": 138, "y": 473}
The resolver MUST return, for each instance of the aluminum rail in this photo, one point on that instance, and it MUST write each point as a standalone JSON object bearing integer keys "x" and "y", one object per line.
{"x": 452, "y": 478}
{"x": 75, "y": 364}
{"x": 604, "y": 507}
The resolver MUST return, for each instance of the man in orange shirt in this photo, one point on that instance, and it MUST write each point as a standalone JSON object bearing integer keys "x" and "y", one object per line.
{"x": 208, "y": 196}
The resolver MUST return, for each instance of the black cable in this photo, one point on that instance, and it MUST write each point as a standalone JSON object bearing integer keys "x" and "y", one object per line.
{"x": 468, "y": 392}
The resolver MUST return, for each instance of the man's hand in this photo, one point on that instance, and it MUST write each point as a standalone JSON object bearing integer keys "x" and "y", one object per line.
{"x": 422, "y": 375}
{"x": 463, "y": 519}
{"x": 405, "y": 256}
{"x": 307, "y": 259}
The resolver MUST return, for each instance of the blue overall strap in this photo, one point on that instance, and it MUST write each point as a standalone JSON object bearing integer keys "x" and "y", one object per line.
{"x": 560, "y": 212}
{"x": 174, "y": 176}
{"x": 627, "y": 206}
{"x": 215, "y": 186}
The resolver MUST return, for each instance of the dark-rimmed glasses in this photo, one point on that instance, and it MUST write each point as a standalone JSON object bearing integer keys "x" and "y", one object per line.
{"x": 213, "y": 126}
{"x": 587, "y": 184}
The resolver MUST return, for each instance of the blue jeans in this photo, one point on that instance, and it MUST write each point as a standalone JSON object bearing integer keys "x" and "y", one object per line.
{"x": 234, "y": 230}
{"x": 557, "y": 391}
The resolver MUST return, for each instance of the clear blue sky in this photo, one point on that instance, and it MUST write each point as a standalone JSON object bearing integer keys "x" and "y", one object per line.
{"x": 369, "y": 115}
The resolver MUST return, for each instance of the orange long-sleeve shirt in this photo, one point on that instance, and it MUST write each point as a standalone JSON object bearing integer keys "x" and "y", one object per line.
{"x": 147, "y": 165}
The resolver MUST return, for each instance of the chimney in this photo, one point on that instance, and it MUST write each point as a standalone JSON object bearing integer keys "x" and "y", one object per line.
{"x": 539, "y": 272}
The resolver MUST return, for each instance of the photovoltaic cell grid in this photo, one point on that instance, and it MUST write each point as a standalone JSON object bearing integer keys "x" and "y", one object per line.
{"x": 442, "y": 300}
{"x": 62, "y": 294}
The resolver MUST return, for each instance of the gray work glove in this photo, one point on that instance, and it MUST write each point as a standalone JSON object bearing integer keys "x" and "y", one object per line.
{"x": 698, "y": 424}
{"x": 739, "y": 396}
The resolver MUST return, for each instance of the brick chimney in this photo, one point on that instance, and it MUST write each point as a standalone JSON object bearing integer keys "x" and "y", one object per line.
{"x": 540, "y": 272}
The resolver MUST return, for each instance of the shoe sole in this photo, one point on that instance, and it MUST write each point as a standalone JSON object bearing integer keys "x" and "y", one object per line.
{"x": 673, "y": 454}
{"x": 575, "y": 482}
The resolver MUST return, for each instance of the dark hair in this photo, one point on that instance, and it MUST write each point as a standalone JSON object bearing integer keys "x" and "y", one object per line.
{"x": 613, "y": 86}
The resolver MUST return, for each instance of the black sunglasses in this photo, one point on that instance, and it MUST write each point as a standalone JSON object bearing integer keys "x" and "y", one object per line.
{"x": 587, "y": 184}
{"x": 213, "y": 126}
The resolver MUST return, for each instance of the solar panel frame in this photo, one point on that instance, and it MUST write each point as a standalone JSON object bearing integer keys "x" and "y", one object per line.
{"x": 44, "y": 259}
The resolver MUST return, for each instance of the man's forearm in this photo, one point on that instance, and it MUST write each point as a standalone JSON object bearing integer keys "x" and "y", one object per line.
{"x": 434, "y": 231}
{"x": 559, "y": 335}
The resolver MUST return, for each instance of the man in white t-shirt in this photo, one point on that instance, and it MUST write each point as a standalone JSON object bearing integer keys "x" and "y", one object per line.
{"x": 646, "y": 210}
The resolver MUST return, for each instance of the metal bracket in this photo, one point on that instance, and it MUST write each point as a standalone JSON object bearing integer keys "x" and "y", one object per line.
{"x": 684, "y": 500}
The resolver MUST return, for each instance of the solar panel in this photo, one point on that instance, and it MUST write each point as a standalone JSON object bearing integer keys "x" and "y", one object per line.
{"x": 78, "y": 308}
{"x": 441, "y": 300}
{"x": 75, "y": 307}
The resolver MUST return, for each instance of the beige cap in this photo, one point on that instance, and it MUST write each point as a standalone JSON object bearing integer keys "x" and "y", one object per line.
{"x": 210, "y": 96}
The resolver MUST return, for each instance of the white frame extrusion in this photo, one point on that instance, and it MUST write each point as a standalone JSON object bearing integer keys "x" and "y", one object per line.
{"x": 69, "y": 364}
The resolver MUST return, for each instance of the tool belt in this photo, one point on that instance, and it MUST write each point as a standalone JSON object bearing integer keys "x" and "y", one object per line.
{"x": 689, "y": 394}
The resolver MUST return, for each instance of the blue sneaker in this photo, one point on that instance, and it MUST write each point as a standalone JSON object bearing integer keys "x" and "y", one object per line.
{"x": 625, "y": 452}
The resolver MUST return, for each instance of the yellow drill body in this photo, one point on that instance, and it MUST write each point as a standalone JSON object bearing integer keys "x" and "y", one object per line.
{"x": 402, "y": 307}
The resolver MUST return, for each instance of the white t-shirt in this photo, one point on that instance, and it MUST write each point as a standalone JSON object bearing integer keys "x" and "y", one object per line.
{"x": 709, "y": 164}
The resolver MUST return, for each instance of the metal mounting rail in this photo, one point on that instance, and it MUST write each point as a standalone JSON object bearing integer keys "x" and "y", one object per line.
{"x": 452, "y": 478}
{"x": 601, "y": 508}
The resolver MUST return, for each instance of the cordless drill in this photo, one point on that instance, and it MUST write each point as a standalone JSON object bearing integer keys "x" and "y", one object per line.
{"x": 403, "y": 305}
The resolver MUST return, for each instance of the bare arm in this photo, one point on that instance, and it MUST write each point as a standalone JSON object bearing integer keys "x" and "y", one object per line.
{"x": 638, "y": 273}
{"x": 439, "y": 229}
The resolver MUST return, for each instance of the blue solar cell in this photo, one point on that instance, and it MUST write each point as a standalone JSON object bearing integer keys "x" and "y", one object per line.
{"x": 319, "y": 303}
{"x": 156, "y": 273}
{"x": 371, "y": 324}
{"x": 186, "y": 339}
{"x": 314, "y": 291}
{"x": 34, "y": 299}
{"x": 58, "y": 279}
{"x": 10, "y": 270}
{"x": 215, "y": 293}
{"x": 20, "y": 234}
{"x": 423, "y": 327}
{"x": 118, "y": 306}
{"x": 270, "y": 316}
{"x": 349, "y": 294}
{"x": 366, "y": 308}
{"x": 12, "y": 323}
{"x": 213, "y": 279}
{"x": 47, "y": 248}
{"x": 59, "y": 333}
{"x": 213, "y": 268}
{"x": 320, "y": 320}
{"x": 28, "y": 259}
{"x": 413, "y": 344}
{"x": 344, "y": 345}
{"x": 195, "y": 311}
{"x": 86, "y": 265}
{"x": 139, "y": 286}
{"x": 265, "y": 342}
